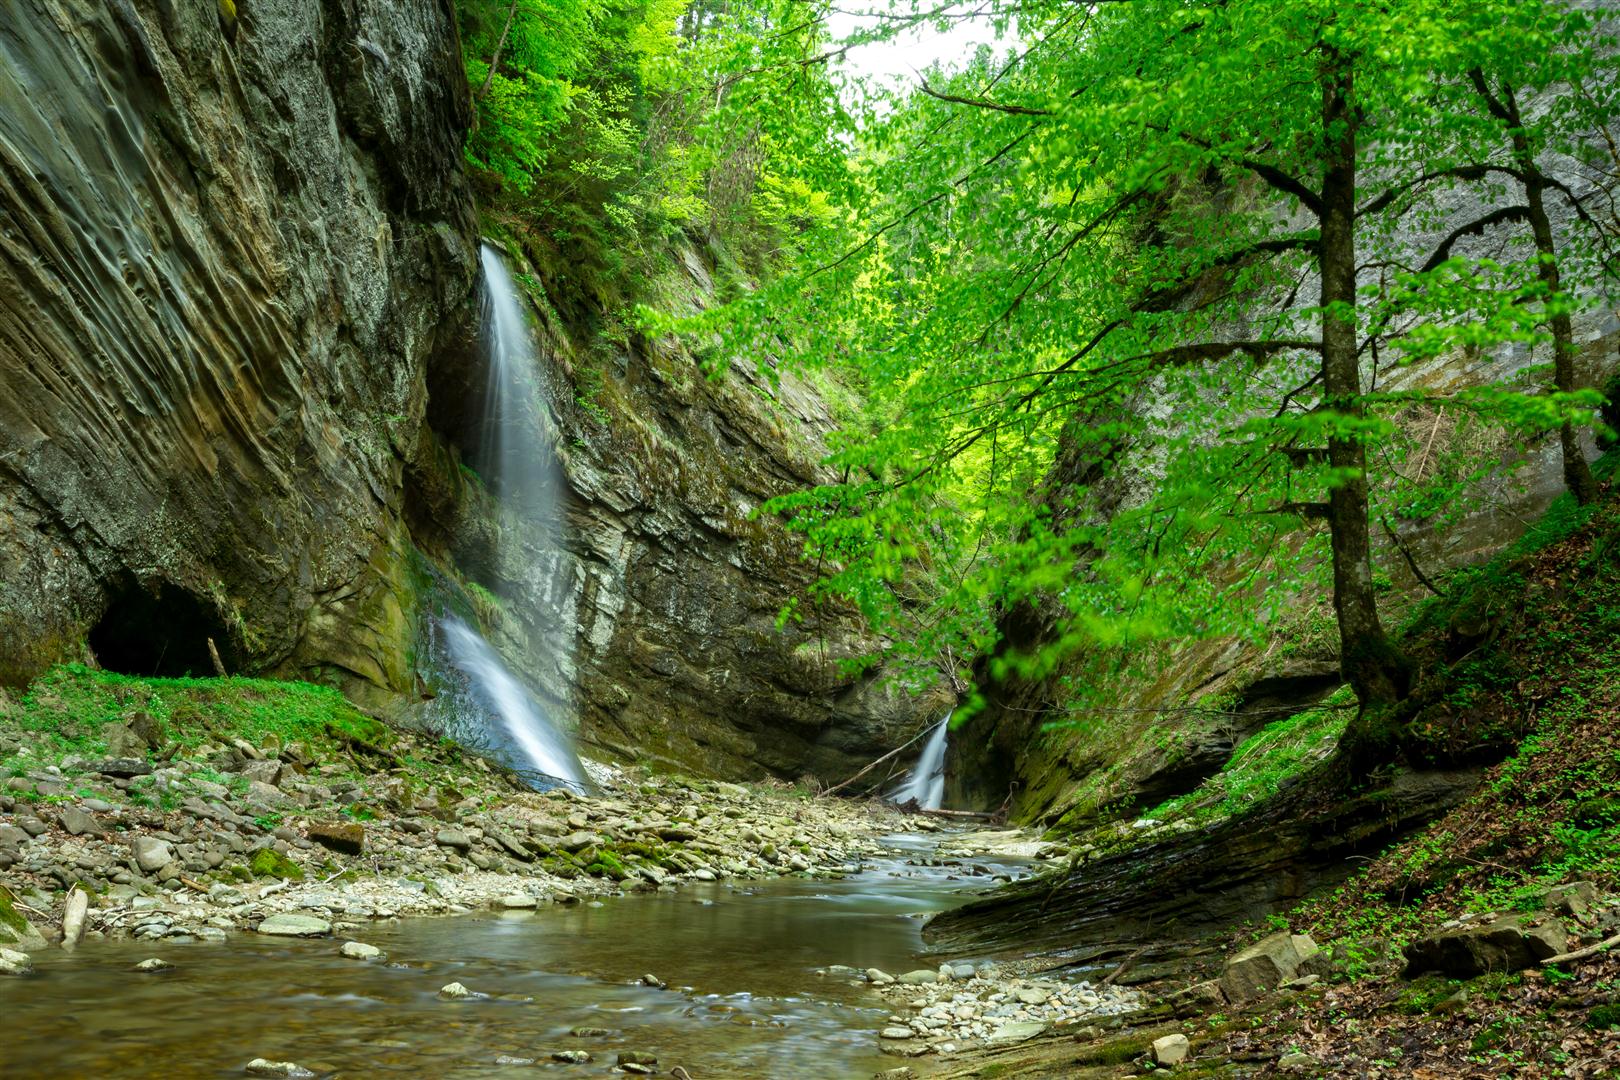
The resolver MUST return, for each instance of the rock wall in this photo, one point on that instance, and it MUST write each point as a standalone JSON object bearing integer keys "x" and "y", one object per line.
{"x": 239, "y": 304}
{"x": 226, "y": 253}
{"x": 654, "y": 625}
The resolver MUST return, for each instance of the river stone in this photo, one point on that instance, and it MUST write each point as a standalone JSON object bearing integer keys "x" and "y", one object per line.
{"x": 153, "y": 964}
{"x": 454, "y": 839}
{"x": 578, "y": 841}
{"x": 920, "y": 977}
{"x": 1170, "y": 1050}
{"x": 896, "y": 1032}
{"x": 637, "y": 1057}
{"x": 518, "y": 902}
{"x": 508, "y": 1059}
{"x": 348, "y": 837}
{"x": 123, "y": 768}
{"x": 879, "y": 977}
{"x": 290, "y": 925}
{"x": 74, "y": 913}
{"x": 359, "y": 950}
{"x": 571, "y": 1057}
{"x": 1031, "y": 995}
{"x": 80, "y": 823}
{"x": 1016, "y": 1031}
{"x": 590, "y": 1032}
{"x": 13, "y": 962}
{"x": 263, "y": 772}
{"x": 151, "y": 854}
{"x": 454, "y": 992}
{"x": 262, "y": 1067}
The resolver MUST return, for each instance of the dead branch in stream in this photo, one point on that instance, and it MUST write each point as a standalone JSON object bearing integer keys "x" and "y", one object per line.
{"x": 836, "y": 788}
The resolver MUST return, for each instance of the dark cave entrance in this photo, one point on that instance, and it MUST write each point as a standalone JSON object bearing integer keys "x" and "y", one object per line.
{"x": 159, "y": 631}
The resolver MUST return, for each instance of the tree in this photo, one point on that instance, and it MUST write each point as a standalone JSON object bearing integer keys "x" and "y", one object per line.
{"x": 1127, "y": 217}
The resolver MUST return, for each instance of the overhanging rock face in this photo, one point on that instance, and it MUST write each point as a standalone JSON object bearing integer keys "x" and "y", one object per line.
{"x": 239, "y": 293}
{"x": 226, "y": 255}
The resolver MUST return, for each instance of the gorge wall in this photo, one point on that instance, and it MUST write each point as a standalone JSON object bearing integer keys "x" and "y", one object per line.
{"x": 238, "y": 302}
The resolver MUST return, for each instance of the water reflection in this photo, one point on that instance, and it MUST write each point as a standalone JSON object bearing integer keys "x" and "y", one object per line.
{"x": 742, "y": 997}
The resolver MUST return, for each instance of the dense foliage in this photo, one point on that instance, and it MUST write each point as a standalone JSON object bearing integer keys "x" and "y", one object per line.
{"x": 613, "y": 127}
{"x": 1148, "y": 310}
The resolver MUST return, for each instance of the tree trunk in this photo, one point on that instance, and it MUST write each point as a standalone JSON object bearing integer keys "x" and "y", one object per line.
{"x": 495, "y": 61}
{"x": 1577, "y": 473}
{"x": 1370, "y": 662}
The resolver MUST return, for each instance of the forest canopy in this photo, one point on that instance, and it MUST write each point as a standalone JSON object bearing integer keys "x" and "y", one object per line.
{"x": 1139, "y": 302}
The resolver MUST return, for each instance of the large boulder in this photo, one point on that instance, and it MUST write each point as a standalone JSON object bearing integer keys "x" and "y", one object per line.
{"x": 1467, "y": 949}
{"x": 1269, "y": 963}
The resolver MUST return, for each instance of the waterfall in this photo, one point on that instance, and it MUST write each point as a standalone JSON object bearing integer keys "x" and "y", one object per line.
{"x": 542, "y": 752}
{"x": 487, "y": 704}
{"x": 926, "y": 783}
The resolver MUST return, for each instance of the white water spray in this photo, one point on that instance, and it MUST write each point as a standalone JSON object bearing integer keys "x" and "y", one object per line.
{"x": 517, "y": 462}
{"x": 543, "y": 750}
{"x": 926, "y": 783}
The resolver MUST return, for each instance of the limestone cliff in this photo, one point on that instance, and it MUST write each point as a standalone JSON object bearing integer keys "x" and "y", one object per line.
{"x": 226, "y": 252}
{"x": 239, "y": 304}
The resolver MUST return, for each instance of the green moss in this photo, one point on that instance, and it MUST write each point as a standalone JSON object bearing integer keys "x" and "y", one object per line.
{"x": 13, "y": 925}
{"x": 607, "y": 864}
{"x": 68, "y": 708}
{"x": 1603, "y": 1017}
{"x": 1425, "y": 995}
{"x": 268, "y": 862}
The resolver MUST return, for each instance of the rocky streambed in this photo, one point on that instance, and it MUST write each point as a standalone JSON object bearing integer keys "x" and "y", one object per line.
{"x": 241, "y": 906}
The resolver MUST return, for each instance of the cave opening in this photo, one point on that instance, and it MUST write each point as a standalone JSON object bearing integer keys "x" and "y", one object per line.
{"x": 159, "y": 631}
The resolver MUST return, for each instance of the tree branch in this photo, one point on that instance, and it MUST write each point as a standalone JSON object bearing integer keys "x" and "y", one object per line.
{"x": 1477, "y": 227}
{"x": 981, "y": 103}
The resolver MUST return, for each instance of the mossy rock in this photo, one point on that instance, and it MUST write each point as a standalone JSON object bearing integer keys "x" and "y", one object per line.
{"x": 1426, "y": 995}
{"x": 268, "y": 862}
{"x": 15, "y": 929}
{"x": 607, "y": 864}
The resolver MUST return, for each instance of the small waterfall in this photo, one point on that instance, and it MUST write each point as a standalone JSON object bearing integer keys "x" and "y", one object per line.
{"x": 539, "y": 750}
{"x": 486, "y": 704}
{"x": 926, "y": 783}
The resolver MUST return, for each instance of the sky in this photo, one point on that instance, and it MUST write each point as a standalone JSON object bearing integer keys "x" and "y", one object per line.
{"x": 900, "y": 60}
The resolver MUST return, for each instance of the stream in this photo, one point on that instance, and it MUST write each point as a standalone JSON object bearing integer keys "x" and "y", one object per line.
{"x": 740, "y": 960}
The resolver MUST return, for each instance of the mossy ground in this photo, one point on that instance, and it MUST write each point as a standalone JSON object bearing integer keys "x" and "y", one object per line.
{"x": 67, "y": 710}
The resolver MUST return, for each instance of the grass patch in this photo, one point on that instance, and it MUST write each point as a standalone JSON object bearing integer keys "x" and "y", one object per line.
{"x": 1266, "y": 761}
{"x": 67, "y": 710}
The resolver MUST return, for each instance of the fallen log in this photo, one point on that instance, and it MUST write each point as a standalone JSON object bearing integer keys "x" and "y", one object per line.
{"x": 1582, "y": 954}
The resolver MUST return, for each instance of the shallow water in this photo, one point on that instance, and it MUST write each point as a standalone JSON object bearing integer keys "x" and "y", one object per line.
{"x": 743, "y": 999}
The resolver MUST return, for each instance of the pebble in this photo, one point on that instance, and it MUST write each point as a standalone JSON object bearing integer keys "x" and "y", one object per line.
{"x": 895, "y": 1032}
{"x": 359, "y": 950}
{"x": 262, "y": 1067}
{"x": 288, "y": 925}
{"x": 454, "y": 992}
{"x": 508, "y": 1059}
{"x": 590, "y": 1032}
{"x": 154, "y": 964}
{"x": 1170, "y": 1050}
{"x": 571, "y": 1057}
